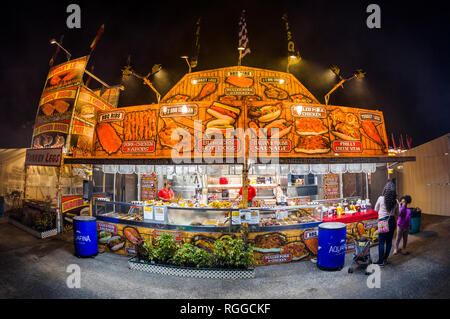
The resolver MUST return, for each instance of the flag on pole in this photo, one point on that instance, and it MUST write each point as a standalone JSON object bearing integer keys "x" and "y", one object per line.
{"x": 293, "y": 55}
{"x": 243, "y": 37}
{"x": 97, "y": 37}
{"x": 194, "y": 60}
{"x": 52, "y": 60}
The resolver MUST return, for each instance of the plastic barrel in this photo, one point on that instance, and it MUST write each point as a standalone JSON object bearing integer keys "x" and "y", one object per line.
{"x": 85, "y": 236}
{"x": 331, "y": 249}
{"x": 415, "y": 225}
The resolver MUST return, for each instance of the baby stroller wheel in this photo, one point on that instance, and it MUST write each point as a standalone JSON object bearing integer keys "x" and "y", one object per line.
{"x": 350, "y": 270}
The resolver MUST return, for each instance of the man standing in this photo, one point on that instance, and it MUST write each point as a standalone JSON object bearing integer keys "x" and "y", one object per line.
{"x": 251, "y": 194}
{"x": 166, "y": 194}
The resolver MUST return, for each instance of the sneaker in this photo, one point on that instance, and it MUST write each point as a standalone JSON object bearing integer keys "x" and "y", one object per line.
{"x": 381, "y": 265}
{"x": 404, "y": 252}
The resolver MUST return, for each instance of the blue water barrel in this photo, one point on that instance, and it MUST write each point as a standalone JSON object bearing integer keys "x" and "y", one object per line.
{"x": 331, "y": 246}
{"x": 85, "y": 236}
{"x": 415, "y": 225}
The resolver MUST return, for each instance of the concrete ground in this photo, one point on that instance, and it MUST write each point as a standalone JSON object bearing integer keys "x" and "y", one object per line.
{"x": 36, "y": 268}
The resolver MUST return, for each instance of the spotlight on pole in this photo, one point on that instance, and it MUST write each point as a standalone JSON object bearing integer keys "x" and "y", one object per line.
{"x": 186, "y": 58}
{"x": 53, "y": 41}
{"x": 358, "y": 74}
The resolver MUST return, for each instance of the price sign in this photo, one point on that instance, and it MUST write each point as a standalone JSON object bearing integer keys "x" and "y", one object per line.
{"x": 254, "y": 217}
{"x": 148, "y": 212}
{"x": 281, "y": 214}
{"x": 160, "y": 213}
{"x": 236, "y": 218}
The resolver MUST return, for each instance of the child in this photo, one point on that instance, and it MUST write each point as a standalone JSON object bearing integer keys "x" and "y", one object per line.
{"x": 404, "y": 224}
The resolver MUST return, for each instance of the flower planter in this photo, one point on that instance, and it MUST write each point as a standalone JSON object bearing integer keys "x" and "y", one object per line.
{"x": 211, "y": 273}
{"x": 35, "y": 233}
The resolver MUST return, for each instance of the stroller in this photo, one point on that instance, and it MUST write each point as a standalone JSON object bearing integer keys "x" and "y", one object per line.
{"x": 361, "y": 255}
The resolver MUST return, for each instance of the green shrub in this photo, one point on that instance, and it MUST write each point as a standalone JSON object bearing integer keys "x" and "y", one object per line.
{"x": 238, "y": 255}
{"x": 147, "y": 250}
{"x": 165, "y": 247}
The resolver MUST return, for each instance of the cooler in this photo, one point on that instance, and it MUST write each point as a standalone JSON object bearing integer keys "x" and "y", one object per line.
{"x": 331, "y": 247}
{"x": 85, "y": 236}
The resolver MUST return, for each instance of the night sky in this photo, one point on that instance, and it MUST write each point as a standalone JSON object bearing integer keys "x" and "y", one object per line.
{"x": 407, "y": 61}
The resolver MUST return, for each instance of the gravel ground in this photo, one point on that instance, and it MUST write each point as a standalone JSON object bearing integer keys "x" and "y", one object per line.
{"x": 33, "y": 268}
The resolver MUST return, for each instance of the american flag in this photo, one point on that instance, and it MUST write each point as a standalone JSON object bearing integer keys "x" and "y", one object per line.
{"x": 243, "y": 39}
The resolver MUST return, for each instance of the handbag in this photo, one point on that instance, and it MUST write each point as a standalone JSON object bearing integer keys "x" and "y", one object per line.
{"x": 383, "y": 225}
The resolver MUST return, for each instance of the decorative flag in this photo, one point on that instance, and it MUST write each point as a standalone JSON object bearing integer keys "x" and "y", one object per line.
{"x": 290, "y": 43}
{"x": 408, "y": 141}
{"x": 52, "y": 60}
{"x": 243, "y": 38}
{"x": 393, "y": 141}
{"x": 194, "y": 60}
{"x": 97, "y": 37}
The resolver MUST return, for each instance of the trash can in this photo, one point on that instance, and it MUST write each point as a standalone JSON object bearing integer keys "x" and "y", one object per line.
{"x": 416, "y": 215}
{"x": 2, "y": 206}
{"x": 85, "y": 236}
{"x": 331, "y": 247}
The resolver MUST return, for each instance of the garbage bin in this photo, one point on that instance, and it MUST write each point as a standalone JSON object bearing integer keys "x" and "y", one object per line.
{"x": 85, "y": 236}
{"x": 331, "y": 246}
{"x": 416, "y": 215}
{"x": 2, "y": 205}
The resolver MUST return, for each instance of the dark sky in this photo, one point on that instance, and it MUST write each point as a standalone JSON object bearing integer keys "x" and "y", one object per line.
{"x": 407, "y": 60}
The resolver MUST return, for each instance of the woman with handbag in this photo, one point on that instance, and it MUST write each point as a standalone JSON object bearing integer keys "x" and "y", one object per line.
{"x": 387, "y": 208}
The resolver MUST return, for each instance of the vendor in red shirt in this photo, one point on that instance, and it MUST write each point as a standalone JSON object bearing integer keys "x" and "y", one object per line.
{"x": 166, "y": 194}
{"x": 251, "y": 194}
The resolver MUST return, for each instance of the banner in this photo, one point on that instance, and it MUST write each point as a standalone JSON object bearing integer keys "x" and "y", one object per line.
{"x": 43, "y": 157}
{"x": 196, "y": 50}
{"x": 66, "y": 74}
{"x": 84, "y": 119}
{"x": 110, "y": 95}
{"x": 207, "y": 115}
{"x": 293, "y": 55}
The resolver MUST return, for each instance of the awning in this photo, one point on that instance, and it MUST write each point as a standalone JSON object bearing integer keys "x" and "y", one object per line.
{"x": 297, "y": 160}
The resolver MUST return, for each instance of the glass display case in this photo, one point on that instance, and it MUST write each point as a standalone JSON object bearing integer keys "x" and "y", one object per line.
{"x": 207, "y": 218}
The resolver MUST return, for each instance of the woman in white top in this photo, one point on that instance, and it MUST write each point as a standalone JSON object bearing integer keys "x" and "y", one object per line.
{"x": 387, "y": 208}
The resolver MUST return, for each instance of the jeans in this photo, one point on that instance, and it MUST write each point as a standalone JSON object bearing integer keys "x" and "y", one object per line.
{"x": 386, "y": 238}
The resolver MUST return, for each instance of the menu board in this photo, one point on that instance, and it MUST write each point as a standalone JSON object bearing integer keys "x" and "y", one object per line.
{"x": 210, "y": 114}
{"x": 331, "y": 183}
{"x": 148, "y": 186}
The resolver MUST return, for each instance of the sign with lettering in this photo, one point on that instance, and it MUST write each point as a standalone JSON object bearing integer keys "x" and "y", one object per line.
{"x": 44, "y": 157}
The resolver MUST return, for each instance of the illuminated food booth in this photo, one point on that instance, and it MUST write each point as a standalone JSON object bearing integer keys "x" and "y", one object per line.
{"x": 216, "y": 134}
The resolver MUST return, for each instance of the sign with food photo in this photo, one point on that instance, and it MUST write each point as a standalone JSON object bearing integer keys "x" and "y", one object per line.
{"x": 56, "y": 105}
{"x": 284, "y": 246}
{"x": 66, "y": 74}
{"x": 87, "y": 105}
{"x": 200, "y": 118}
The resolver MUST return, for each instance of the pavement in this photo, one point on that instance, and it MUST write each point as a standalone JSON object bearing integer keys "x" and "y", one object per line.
{"x": 37, "y": 268}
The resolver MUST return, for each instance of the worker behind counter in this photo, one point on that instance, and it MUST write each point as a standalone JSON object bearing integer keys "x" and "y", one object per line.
{"x": 251, "y": 194}
{"x": 279, "y": 195}
{"x": 166, "y": 194}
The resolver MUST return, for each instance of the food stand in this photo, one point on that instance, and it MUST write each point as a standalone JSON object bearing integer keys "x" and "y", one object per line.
{"x": 239, "y": 123}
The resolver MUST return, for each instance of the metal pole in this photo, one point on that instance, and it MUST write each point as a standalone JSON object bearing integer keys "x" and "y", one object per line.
{"x": 341, "y": 186}
{"x": 367, "y": 185}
